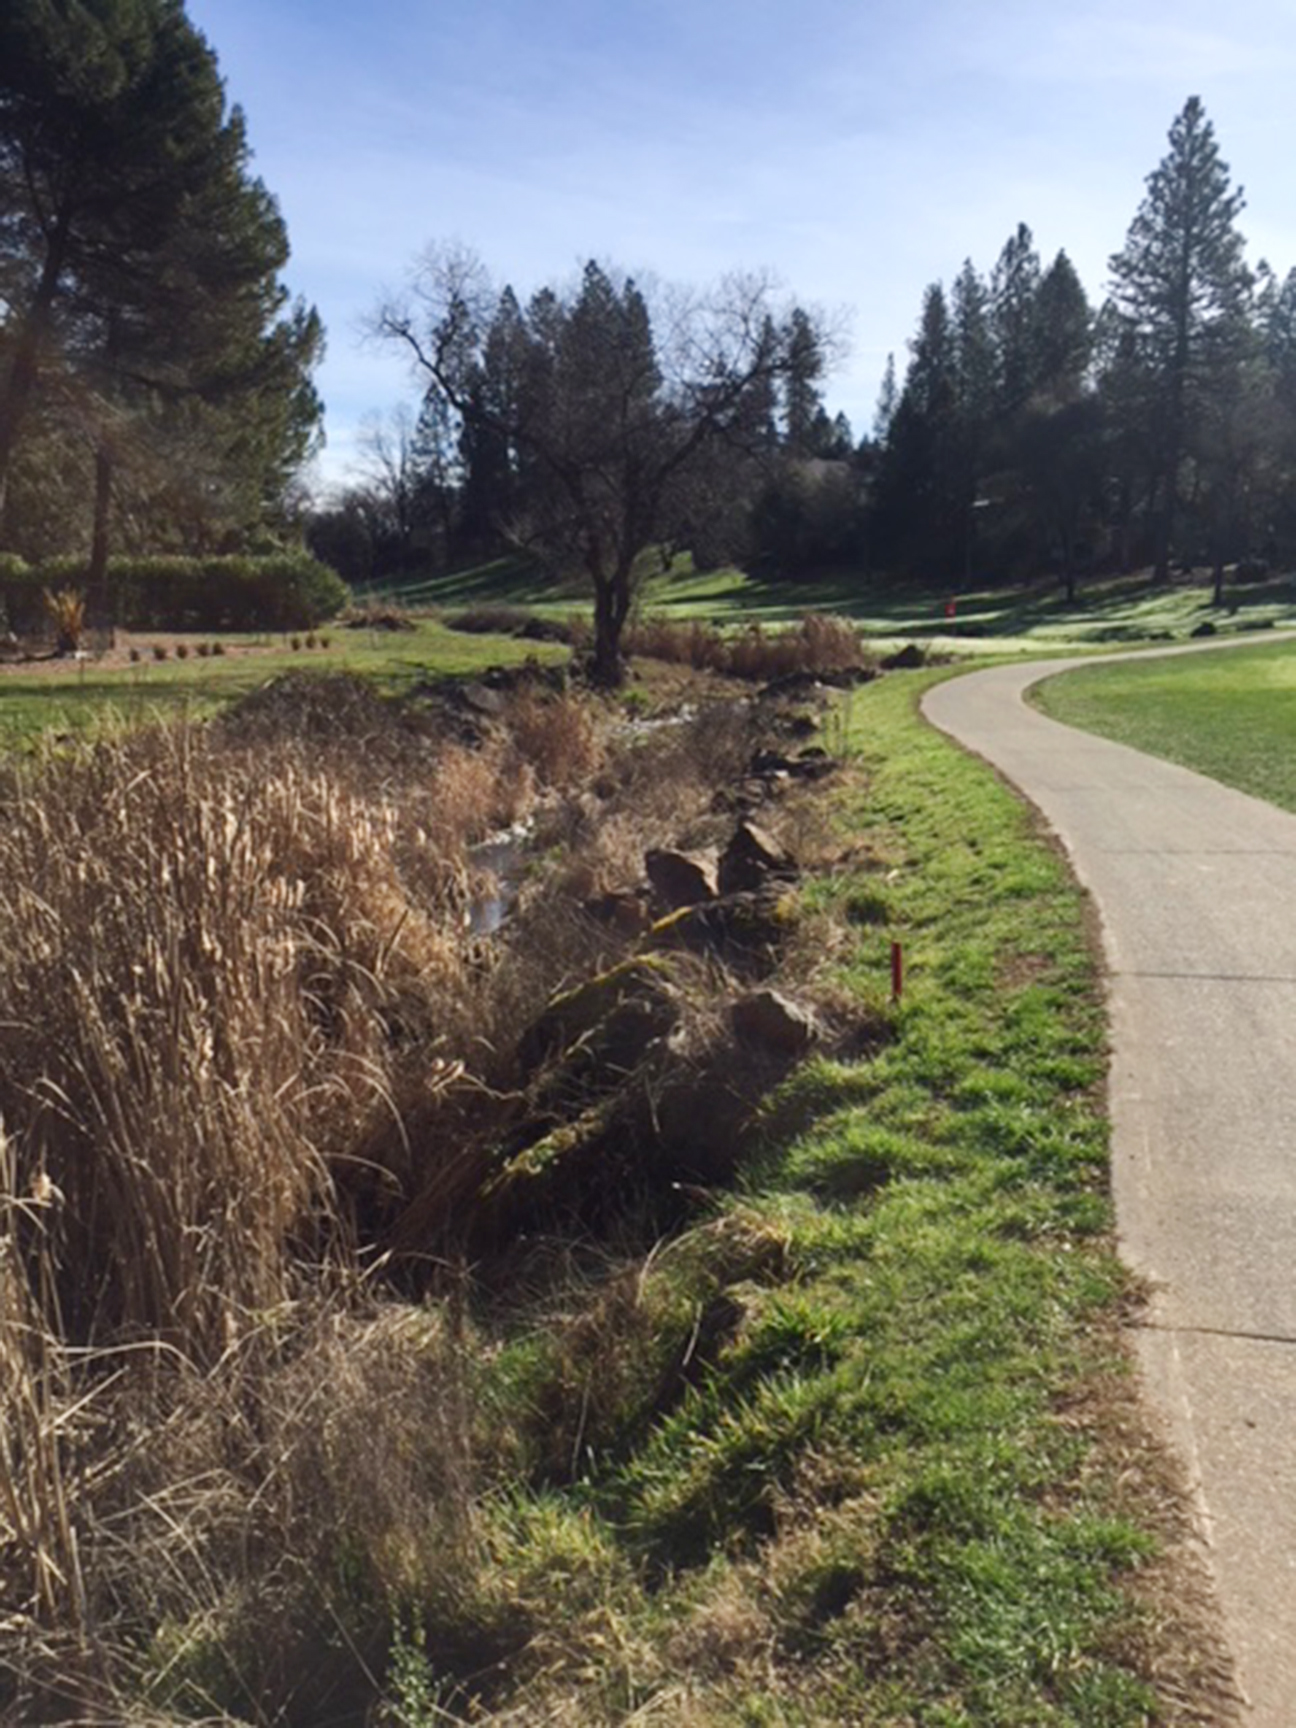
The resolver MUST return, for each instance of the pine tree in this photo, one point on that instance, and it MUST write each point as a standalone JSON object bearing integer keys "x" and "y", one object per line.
{"x": 1061, "y": 333}
{"x": 490, "y": 461}
{"x": 1014, "y": 284}
{"x": 1181, "y": 285}
{"x": 138, "y": 257}
{"x": 919, "y": 507}
{"x": 804, "y": 368}
{"x": 887, "y": 403}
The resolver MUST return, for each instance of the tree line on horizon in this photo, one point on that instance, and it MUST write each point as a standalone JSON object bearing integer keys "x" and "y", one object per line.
{"x": 156, "y": 380}
{"x": 1035, "y": 432}
{"x": 1031, "y": 433}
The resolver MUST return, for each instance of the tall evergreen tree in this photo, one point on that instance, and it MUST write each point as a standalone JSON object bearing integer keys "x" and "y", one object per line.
{"x": 974, "y": 366}
{"x": 804, "y": 368}
{"x": 1276, "y": 326}
{"x": 1181, "y": 285}
{"x": 887, "y": 403}
{"x": 919, "y": 505}
{"x": 137, "y": 253}
{"x": 490, "y": 461}
{"x": 1014, "y": 283}
{"x": 1061, "y": 333}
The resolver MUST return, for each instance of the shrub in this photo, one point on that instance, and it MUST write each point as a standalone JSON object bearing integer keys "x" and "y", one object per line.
{"x": 820, "y": 643}
{"x": 487, "y": 619}
{"x": 378, "y": 615}
{"x": 301, "y": 590}
{"x": 288, "y": 591}
{"x": 66, "y": 611}
{"x": 556, "y": 735}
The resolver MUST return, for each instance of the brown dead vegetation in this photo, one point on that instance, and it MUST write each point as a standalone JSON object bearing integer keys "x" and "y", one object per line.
{"x": 819, "y": 644}
{"x": 260, "y": 1085}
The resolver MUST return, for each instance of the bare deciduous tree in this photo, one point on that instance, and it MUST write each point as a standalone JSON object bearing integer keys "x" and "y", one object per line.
{"x": 608, "y": 418}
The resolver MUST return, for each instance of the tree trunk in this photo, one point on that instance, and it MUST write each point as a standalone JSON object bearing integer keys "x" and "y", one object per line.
{"x": 611, "y": 609}
{"x": 25, "y": 364}
{"x": 1163, "y": 530}
{"x": 99, "y": 610}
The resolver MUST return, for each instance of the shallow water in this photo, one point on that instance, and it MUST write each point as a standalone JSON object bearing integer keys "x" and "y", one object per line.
{"x": 497, "y": 864}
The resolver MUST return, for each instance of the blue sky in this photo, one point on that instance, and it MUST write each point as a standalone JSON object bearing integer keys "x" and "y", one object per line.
{"x": 858, "y": 151}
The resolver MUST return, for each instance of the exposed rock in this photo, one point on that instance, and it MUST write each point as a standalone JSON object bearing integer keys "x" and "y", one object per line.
{"x": 769, "y": 762}
{"x": 482, "y": 700}
{"x": 753, "y": 859}
{"x": 772, "y": 1021}
{"x": 606, "y": 1021}
{"x": 790, "y": 686}
{"x": 742, "y": 797}
{"x": 625, "y": 911}
{"x": 800, "y": 725}
{"x": 682, "y": 878}
{"x": 809, "y": 764}
{"x": 814, "y": 763}
{"x": 904, "y": 659}
{"x": 744, "y": 930}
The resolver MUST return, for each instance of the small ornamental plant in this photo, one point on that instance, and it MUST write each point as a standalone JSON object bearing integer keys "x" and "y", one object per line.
{"x": 66, "y": 610}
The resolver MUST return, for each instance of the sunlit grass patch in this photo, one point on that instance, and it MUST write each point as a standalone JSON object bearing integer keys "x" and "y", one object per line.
{"x": 1230, "y": 715}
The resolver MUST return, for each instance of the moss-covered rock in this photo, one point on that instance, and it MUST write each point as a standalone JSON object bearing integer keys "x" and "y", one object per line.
{"x": 607, "y": 1020}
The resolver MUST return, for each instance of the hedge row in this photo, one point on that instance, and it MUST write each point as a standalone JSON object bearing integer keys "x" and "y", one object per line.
{"x": 288, "y": 591}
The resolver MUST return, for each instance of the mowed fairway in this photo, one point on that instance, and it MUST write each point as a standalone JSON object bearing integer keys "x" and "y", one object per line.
{"x": 1231, "y": 715}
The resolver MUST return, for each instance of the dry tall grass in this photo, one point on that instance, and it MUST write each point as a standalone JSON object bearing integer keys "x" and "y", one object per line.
{"x": 196, "y": 955}
{"x": 820, "y": 643}
{"x": 249, "y": 1050}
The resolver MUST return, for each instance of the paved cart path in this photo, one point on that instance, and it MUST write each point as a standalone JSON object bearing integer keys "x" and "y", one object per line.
{"x": 1195, "y": 885}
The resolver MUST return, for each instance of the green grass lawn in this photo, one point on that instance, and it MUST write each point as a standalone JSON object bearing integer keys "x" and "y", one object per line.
{"x": 907, "y": 1492}
{"x": 1231, "y": 715}
{"x": 58, "y": 697}
{"x": 61, "y": 697}
{"x": 1127, "y": 609}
